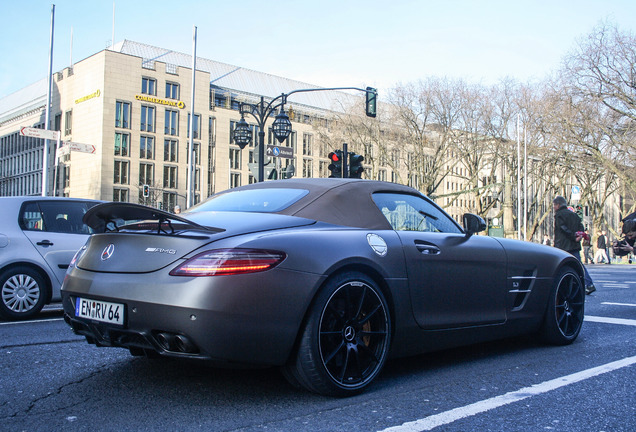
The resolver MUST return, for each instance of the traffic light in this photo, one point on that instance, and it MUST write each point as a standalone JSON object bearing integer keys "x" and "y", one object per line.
{"x": 146, "y": 191}
{"x": 355, "y": 165}
{"x": 336, "y": 164}
{"x": 372, "y": 102}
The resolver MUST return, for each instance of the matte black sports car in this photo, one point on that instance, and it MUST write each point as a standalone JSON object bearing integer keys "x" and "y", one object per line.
{"x": 326, "y": 278}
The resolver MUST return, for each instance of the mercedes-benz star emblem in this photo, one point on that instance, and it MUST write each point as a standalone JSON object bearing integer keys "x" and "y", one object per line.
{"x": 108, "y": 252}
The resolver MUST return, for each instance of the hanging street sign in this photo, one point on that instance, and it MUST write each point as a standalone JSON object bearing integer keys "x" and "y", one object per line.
{"x": 40, "y": 133}
{"x": 84, "y": 148}
{"x": 278, "y": 151}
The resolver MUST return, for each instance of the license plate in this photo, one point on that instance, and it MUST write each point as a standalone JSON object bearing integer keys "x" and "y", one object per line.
{"x": 99, "y": 311}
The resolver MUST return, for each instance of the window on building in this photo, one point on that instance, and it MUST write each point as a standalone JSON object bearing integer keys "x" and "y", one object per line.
{"x": 122, "y": 144}
{"x": 172, "y": 122}
{"x": 172, "y": 90}
{"x": 235, "y": 180}
{"x": 170, "y": 150}
{"x": 120, "y": 195}
{"x": 57, "y": 123}
{"x": 68, "y": 122}
{"x": 197, "y": 153}
{"x": 147, "y": 118}
{"x": 308, "y": 142}
{"x": 308, "y": 168}
{"x": 67, "y": 176}
{"x": 169, "y": 201}
{"x": 170, "y": 177}
{"x": 235, "y": 158}
{"x": 149, "y": 86}
{"x": 197, "y": 126}
{"x": 212, "y": 130}
{"x": 122, "y": 114}
{"x": 322, "y": 169}
{"x": 121, "y": 172}
{"x": 146, "y": 174}
{"x": 146, "y": 147}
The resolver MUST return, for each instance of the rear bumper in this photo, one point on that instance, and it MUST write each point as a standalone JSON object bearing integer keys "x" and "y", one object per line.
{"x": 248, "y": 319}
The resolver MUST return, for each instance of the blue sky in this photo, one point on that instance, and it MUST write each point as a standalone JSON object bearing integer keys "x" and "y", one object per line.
{"x": 323, "y": 42}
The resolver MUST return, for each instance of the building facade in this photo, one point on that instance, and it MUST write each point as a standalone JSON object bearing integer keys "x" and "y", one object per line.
{"x": 134, "y": 110}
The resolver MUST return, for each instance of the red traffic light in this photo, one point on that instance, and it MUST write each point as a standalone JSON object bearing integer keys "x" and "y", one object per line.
{"x": 334, "y": 157}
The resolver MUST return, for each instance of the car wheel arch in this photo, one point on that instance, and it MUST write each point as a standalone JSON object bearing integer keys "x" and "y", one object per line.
{"x": 350, "y": 267}
{"x": 36, "y": 268}
{"x": 342, "y": 276}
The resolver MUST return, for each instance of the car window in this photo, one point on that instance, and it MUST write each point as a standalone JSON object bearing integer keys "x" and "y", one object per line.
{"x": 412, "y": 213}
{"x": 253, "y": 200}
{"x": 55, "y": 216}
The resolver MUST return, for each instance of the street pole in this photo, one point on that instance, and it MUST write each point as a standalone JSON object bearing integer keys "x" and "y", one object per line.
{"x": 518, "y": 180}
{"x": 190, "y": 180}
{"x": 261, "y": 140}
{"x": 47, "y": 116}
{"x": 345, "y": 160}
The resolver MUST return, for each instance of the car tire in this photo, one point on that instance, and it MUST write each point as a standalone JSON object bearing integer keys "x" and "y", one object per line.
{"x": 345, "y": 340}
{"x": 564, "y": 317}
{"x": 23, "y": 291}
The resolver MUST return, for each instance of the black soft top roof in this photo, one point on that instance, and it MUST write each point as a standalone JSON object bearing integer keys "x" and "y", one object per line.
{"x": 345, "y": 202}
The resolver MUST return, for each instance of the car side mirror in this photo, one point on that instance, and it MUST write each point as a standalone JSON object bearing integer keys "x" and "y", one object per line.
{"x": 473, "y": 224}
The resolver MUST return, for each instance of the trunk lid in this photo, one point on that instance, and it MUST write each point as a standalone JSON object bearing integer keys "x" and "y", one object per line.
{"x": 140, "y": 239}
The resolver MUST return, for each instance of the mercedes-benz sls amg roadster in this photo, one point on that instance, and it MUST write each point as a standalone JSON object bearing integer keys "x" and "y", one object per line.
{"x": 325, "y": 278}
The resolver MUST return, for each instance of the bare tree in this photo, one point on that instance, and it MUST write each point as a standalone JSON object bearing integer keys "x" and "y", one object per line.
{"x": 600, "y": 79}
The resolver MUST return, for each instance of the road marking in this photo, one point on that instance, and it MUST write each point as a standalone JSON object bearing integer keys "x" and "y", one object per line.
{"x": 629, "y": 322}
{"x": 32, "y": 321}
{"x": 453, "y": 415}
{"x": 618, "y": 304}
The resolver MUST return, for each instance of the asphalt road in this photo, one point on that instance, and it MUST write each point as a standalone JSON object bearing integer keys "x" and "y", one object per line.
{"x": 52, "y": 380}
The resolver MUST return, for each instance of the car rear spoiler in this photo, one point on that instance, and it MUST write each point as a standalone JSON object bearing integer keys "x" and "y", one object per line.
{"x": 112, "y": 216}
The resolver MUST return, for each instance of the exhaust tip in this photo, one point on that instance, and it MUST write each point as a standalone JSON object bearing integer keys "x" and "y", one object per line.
{"x": 166, "y": 341}
{"x": 184, "y": 344}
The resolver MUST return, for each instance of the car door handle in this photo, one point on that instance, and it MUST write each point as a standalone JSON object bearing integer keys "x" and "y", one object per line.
{"x": 45, "y": 243}
{"x": 428, "y": 249}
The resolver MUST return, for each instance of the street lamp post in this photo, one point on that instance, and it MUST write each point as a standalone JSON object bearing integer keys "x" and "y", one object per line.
{"x": 261, "y": 112}
{"x": 282, "y": 126}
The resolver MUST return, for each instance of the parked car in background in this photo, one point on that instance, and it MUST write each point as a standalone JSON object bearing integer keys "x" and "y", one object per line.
{"x": 326, "y": 278}
{"x": 38, "y": 238}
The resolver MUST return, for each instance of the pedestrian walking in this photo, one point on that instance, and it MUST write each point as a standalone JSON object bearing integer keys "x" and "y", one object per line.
{"x": 629, "y": 231}
{"x": 601, "y": 245}
{"x": 567, "y": 226}
{"x": 587, "y": 249}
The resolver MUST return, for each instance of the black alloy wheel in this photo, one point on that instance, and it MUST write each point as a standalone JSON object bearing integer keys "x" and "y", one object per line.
{"x": 346, "y": 339}
{"x": 564, "y": 316}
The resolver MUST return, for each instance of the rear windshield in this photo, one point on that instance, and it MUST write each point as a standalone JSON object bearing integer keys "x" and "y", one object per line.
{"x": 254, "y": 200}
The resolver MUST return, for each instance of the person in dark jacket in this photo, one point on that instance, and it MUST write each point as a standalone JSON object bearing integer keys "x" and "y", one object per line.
{"x": 629, "y": 230}
{"x": 587, "y": 249}
{"x": 566, "y": 225}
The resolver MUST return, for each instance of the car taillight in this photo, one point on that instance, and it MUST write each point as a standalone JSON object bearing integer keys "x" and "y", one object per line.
{"x": 77, "y": 256}
{"x": 222, "y": 262}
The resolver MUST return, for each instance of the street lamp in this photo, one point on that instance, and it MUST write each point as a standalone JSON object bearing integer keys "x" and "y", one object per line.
{"x": 281, "y": 128}
{"x": 242, "y": 133}
{"x": 261, "y": 111}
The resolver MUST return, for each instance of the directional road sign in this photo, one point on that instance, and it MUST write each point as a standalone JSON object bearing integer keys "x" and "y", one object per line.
{"x": 278, "y": 151}
{"x": 40, "y": 133}
{"x": 84, "y": 148}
